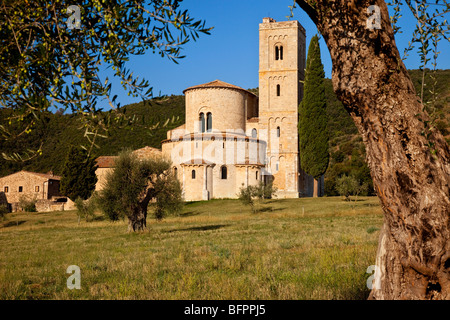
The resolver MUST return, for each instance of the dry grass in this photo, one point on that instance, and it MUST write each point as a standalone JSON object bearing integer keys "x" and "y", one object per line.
{"x": 294, "y": 249}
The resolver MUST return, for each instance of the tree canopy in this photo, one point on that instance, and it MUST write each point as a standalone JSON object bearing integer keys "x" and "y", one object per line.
{"x": 52, "y": 52}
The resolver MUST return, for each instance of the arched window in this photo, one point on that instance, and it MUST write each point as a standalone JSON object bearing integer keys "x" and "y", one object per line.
{"x": 278, "y": 90}
{"x": 223, "y": 172}
{"x": 193, "y": 174}
{"x": 254, "y": 133}
{"x": 202, "y": 122}
{"x": 278, "y": 52}
{"x": 278, "y": 132}
{"x": 209, "y": 122}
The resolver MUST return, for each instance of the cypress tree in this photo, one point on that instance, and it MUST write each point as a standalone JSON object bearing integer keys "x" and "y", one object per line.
{"x": 78, "y": 177}
{"x": 312, "y": 124}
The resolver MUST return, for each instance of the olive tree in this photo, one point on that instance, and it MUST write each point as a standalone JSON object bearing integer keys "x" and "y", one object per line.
{"x": 409, "y": 159}
{"x": 133, "y": 183}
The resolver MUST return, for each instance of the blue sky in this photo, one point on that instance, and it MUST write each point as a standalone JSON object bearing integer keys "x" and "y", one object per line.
{"x": 230, "y": 53}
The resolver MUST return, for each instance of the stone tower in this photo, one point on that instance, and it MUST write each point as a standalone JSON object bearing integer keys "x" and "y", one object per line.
{"x": 282, "y": 57}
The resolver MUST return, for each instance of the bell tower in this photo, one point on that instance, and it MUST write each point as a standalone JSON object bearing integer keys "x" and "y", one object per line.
{"x": 282, "y": 55}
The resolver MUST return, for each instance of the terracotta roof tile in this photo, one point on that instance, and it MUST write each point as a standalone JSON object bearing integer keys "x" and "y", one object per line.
{"x": 106, "y": 161}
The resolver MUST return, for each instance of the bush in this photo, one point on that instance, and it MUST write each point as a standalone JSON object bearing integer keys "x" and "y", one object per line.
{"x": 27, "y": 204}
{"x": 349, "y": 185}
{"x": 3, "y": 210}
{"x": 86, "y": 208}
{"x": 255, "y": 195}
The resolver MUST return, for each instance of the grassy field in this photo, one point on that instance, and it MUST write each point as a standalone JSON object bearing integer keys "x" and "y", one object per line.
{"x": 293, "y": 249}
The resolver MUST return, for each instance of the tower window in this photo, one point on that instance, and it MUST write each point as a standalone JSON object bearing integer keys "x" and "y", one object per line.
{"x": 209, "y": 122}
{"x": 193, "y": 174}
{"x": 278, "y": 52}
{"x": 202, "y": 122}
{"x": 6, "y": 189}
{"x": 20, "y": 189}
{"x": 254, "y": 133}
{"x": 36, "y": 188}
{"x": 256, "y": 175}
{"x": 278, "y": 90}
{"x": 223, "y": 172}
{"x": 278, "y": 132}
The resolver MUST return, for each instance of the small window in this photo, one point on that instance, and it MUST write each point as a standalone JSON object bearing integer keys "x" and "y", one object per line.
{"x": 278, "y": 132}
{"x": 278, "y": 90}
{"x": 6, "y": 189}
{"x": 256, "y": 175}
{"x": 223, "y": 173}
{"x": 20, "y": 189}
{"x": 36, "y": 189}
{"x": 254, "y": 133}
{"x": 209, "y": 122}
{"x": 193, "y": 174}
{"x": 202, "y": 122}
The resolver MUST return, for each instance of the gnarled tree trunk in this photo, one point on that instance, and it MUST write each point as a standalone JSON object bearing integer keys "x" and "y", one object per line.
{"x": 409, "y": 163}
{"x": 138, "y": 220}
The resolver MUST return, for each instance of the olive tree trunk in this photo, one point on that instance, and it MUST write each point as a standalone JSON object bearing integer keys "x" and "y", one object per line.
{"x": 408, "y": 161}
{"x": 137, "y": 221}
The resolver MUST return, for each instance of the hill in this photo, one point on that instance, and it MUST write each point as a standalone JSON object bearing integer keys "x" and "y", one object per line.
{"x": 58, "y": 131}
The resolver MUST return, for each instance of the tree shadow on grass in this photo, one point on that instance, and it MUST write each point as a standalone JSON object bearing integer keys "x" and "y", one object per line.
{"x": 270, "y": 209}
{"x": 201, "y": 228}
{"x": 13, "y": 223}
{"x": 189, "y": 214}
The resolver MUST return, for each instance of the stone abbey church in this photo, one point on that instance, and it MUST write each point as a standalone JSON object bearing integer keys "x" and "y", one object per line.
{"x": 233, "y": 138}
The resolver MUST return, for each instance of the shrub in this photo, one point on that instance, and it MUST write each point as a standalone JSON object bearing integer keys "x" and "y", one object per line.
{"x": 27, "y": 204}
{"x": 349, "y": 185}
{"x": 3, "y": 210}
{"x": 255, "y": 195}
{"x": 85, "y": 208}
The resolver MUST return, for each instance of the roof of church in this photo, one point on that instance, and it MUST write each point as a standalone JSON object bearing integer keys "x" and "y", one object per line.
{"x": 217, "y": 84}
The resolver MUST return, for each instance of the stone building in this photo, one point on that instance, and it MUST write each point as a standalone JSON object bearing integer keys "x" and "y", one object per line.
{"x": 233, "y": 138}
{"x": 41, "y": 187}
{"x": 106, "y": 163}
